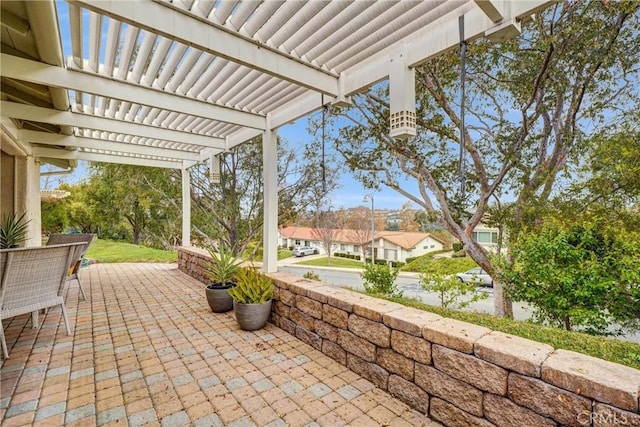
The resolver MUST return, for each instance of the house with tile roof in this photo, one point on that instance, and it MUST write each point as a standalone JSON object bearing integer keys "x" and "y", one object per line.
{"x": 388, "y": 245}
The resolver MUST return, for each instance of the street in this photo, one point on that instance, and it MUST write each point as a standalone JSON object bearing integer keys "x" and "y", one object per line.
{"x": 411, "y": 289}
{"x": 409, "y": 285}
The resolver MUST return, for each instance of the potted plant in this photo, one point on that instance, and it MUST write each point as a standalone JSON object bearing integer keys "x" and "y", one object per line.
{"x": 252, "y": 299}
{"x": 13, "y": 230}
{"x": 222, "y": 271}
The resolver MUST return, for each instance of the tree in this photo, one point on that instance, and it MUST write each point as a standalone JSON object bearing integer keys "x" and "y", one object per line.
{"x": 585, "y": 275}
{"x": 359, "y": 229}
{"x": 450, "y": 290}
{"x": 78, "y": 207}
{"x": 610, "y": 188}
{"x": 55, "y": 218}
{"x": 135, "y": 202}
{"x": 408, "y": 221}
{"x": 231, "y": 211}
{"x": 534, "y": 100}
{"x": 326, "y": 230}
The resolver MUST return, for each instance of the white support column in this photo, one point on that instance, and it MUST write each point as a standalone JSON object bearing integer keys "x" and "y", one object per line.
{"x": 270, "y": 178}
{"x": 402, "y": 91}
{"x": 30, "y": 202}
{"x": 186, "y": 207}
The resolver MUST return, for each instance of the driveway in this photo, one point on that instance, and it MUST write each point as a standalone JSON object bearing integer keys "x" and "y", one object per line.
{"x": 293, "y": 259}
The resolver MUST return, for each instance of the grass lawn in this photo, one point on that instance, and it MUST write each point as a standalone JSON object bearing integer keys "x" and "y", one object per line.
{"x": 110, "y": 251}
{"x": 622, "y": 352}
{"x": 335, "y": 262}
{"x": 282, "y": 254}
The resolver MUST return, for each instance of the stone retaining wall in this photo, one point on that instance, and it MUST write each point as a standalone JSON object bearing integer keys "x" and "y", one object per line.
{"x": 192, "y": 261}
{"x": 457, "y": 373}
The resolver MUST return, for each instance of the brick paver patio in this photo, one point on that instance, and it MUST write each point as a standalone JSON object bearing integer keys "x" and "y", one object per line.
{"x": 146, "y": 350}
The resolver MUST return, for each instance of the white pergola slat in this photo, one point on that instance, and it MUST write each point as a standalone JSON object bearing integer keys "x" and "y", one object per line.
{"x": 168, "y": 83}
{"x": 107, "y": 145}
{"x": 119, "y": 158}
{"x": 210, "y": 37}
{"x": 37, "y": 72}
{"x": 46, "y": 115}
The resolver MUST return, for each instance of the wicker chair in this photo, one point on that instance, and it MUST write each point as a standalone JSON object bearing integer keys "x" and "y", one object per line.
{"x": 32, "y": 279}
{"x": 61, "y": 239}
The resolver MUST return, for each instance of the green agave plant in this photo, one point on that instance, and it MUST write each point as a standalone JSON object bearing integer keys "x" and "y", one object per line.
{"x": 13, "y": 230}
{"x": 253, "y": 287}
{"x": 224, "y": 265}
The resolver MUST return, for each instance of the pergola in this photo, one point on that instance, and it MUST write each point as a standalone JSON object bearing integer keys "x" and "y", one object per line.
{"x": 173, "y": 83}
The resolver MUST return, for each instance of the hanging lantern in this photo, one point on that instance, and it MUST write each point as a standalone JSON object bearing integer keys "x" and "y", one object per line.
{"x": 214, "y": 169}
{"x": 402, "y": 91}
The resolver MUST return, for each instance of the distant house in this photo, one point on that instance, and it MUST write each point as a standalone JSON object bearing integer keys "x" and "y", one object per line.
{"x": 388, "y": 245}
{"x": 486, "y": 236}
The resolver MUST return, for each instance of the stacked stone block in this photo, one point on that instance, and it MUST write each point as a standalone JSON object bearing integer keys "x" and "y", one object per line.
{"x": 193, "y": 261}
{"x": 454, "y": 372}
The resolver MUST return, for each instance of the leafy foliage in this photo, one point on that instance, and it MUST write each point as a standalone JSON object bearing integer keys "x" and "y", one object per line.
{"x": 442, "y": 266}
{"x": 311, "y": 275}
{"x": 149, "y": 214}
{"x": 224, "y": 265}
{"x": 13, "y": 230}
{"x": 534, "y": 101}
{"x": 583, "y": 276}
{"x": 54, "y": 216}
{"x": 231, "y": 212}
{"x": 380, "y": 280}
{"x": 452, "y": 293}
{"x": 252, "y": 287}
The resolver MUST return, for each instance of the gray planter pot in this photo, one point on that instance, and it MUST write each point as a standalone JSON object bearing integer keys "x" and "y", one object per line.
{"x": 218, "y": 298}
{"x": 252, "y": 316}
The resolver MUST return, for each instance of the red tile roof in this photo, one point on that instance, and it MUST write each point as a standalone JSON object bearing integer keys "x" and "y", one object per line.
{"x": 406, "y": 240}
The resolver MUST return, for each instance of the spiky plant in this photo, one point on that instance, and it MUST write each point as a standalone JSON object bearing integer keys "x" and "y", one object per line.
{"x": 224, "y": 265}
{"x": 13, "y": 230}
{"x": 252, "y": 288}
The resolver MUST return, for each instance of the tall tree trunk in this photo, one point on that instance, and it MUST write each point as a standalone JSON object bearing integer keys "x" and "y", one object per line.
{"x": 502, "y": 304}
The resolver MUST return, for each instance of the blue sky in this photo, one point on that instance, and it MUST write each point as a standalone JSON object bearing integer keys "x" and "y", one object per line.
{"x": 350, "y": 193}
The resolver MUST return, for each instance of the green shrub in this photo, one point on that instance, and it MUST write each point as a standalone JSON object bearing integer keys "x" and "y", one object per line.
{"x": 451, "y": 292}
{"x": 311, "y": 276}
{"x": 252, "y": 287}
{"x": 410, "y": 259}
{"x": 396, "y": 264}
{"x": 380, "y": 280}
{"x": 439, "y": 251}
{"x": 380, "y": 262}
{"x": 444, "y": 266}
{"x": 457, "y": 246}
{"x": 356, "y": 257}
{"x": 459, "y": 254}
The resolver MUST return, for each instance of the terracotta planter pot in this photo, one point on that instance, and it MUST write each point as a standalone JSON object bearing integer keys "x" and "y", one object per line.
{"x": 218, "y": 298}
{"x": 252, "y": 316}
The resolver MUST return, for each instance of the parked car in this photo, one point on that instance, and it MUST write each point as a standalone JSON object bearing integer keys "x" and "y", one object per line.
{"x": 304, "y": 250}
{"x": 476, "y": 275}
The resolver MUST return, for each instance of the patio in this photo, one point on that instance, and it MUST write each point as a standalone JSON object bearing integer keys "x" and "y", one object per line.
{"x": 146, "y": 349}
